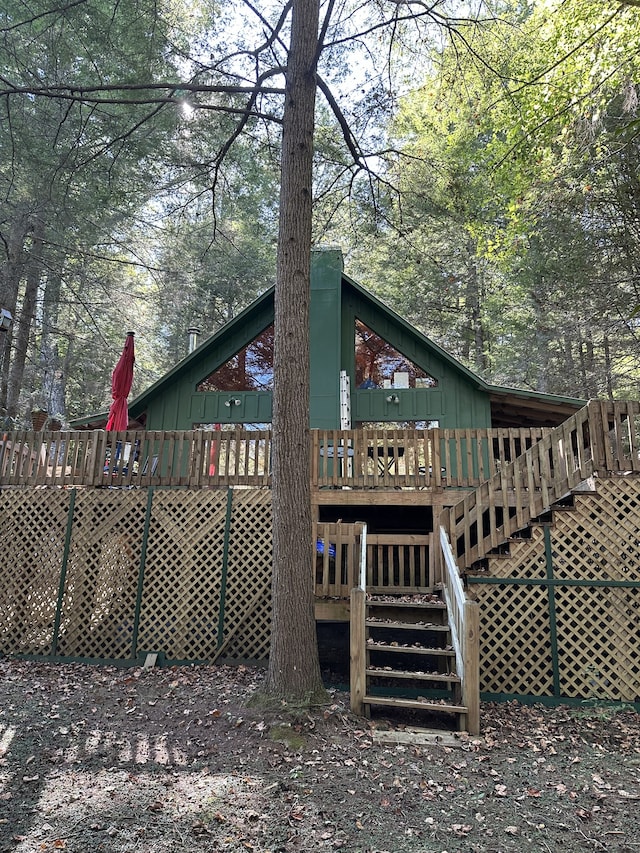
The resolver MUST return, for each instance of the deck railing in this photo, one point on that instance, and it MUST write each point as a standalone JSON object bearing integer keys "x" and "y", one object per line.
{"x": 338, "y": 557}
{"x": 601, "y": 439}
{"x": 399, "y": 562}
{"x": 387, "y": 459}
{"x": 136, "y": 458}
{"x": 414, "y": 459}
{"x": 395, "y": 562}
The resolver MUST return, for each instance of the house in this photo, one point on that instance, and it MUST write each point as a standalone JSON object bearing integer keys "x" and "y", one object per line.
{"x": 532, "y": 499}
{"x": 369, "y": 368}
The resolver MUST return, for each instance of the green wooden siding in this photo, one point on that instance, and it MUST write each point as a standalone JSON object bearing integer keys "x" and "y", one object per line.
{"x": 457, "y": 401}
{"x": 180, "y": 406}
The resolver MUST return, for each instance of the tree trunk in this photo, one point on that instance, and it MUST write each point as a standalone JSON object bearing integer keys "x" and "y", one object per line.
{"x": 540, "y": 362}
{"x": 24, "y": 321}
{"x": 10, "y": 277}
{"x": 608, "y": 366}
{"x": 294, "y": 669}
{"x": 53, "y": 377}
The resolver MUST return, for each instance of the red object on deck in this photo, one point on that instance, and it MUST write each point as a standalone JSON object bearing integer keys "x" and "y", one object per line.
{"x": 121, "y": 380}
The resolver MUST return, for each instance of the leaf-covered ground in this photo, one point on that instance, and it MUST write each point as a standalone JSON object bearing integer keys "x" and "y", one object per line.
{"x": 101, "y": 759}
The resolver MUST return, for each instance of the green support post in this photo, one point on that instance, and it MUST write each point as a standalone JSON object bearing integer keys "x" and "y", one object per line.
{"x": 143, "y": 560}
{"x": 225, "y": 566}
{"x": 553, "y": 626}
{"x": 63, "y": 573}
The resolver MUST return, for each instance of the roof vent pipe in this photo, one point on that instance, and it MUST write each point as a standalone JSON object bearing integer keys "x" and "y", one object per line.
{"x": 193, "y": 338}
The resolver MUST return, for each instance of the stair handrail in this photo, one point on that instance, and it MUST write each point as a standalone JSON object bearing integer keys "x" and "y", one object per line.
{"x": 615, "y": 435}
{"x": 464, "y": 625}
{"x": 525, "y": 488}
{"x": 601, "y": 439}
{"x": 454, "y": 596}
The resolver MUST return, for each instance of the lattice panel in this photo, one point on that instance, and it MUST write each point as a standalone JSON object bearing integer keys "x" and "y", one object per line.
{"x": 526, "y": 558}
{"x": 598, "y": 539}
{"x": 33, "y": 525}
{"x": 515, "y": 655}
{"x": 181, "y": 593}
{"x": 247, "y": 619}
{"x": 599, "y": 642}
{"x": 102, "y": 574}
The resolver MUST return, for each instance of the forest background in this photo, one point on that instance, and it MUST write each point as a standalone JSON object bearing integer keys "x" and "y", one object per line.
{"x": 481, "y": 175}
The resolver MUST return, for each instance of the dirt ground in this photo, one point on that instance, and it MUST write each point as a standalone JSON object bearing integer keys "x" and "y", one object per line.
{"x": 104, "y": 759}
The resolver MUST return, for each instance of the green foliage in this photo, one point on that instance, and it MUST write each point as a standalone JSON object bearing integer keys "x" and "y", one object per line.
{"x": 514, "y": 239}
{"x": 102, "y": 176}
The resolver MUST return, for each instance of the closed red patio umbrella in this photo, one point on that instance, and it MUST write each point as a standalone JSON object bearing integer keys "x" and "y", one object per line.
{"x": 121, "y": 380}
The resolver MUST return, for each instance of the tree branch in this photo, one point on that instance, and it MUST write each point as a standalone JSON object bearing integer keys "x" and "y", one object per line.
{"x": 84, "y": 93}
{"x": 56, "y": 11}
{"x": 347, "y": 135}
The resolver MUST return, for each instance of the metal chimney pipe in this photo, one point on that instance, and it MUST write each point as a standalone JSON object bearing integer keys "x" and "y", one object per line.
{"x": 193, "y": 338}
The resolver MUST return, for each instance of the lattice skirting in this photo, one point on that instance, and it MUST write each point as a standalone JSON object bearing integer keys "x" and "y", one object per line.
{"x": 561, "y": 615}
{"x": 110, "y": 574}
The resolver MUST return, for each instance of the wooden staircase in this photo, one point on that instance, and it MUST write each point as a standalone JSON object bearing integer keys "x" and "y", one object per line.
{"x": 562, "y": 462}
{"x": 403, "y": 656}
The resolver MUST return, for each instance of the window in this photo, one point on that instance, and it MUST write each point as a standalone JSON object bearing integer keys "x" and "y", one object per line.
{"x": 379, "y": 365}
{"x": 250, "y": 369}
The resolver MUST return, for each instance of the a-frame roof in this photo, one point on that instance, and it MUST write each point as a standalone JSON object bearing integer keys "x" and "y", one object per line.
{"x": 510, "y": 407}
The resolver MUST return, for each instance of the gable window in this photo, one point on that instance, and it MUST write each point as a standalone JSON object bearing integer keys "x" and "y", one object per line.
{"x": 250, "y": 369}
{"x": 380, "y": 365}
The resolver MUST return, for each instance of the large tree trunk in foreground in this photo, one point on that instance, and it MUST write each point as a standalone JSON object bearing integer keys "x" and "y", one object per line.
{"x": 294, "y": 670}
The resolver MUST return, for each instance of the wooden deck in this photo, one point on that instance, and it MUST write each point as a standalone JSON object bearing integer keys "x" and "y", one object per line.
{"x": 99, "y": 566}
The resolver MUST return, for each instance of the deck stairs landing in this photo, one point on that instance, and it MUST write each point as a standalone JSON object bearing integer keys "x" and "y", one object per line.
{"x": 404, "y": 656}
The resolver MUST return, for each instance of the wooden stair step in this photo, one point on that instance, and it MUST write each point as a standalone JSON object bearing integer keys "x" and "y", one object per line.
{"x": 408, "y": 605}
{"x": 379, "y": 591}
{"x": 412, "y": 650}
{"x": 449, "y": 678}
{"x": 409, "y": 626}
{"x": 414, "y": 704}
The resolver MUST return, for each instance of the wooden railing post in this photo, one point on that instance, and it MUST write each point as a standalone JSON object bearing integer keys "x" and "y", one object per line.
{"x": 358, "y": 651}
{"x": 437, "y": 560}
{"x": 596, "y": 434}
{"x": 471, "y": 656}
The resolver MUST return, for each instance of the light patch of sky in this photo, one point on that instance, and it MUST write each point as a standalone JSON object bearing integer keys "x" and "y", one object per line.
{"x": 363, "y": 70}
{"x": 229, "y": 30}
